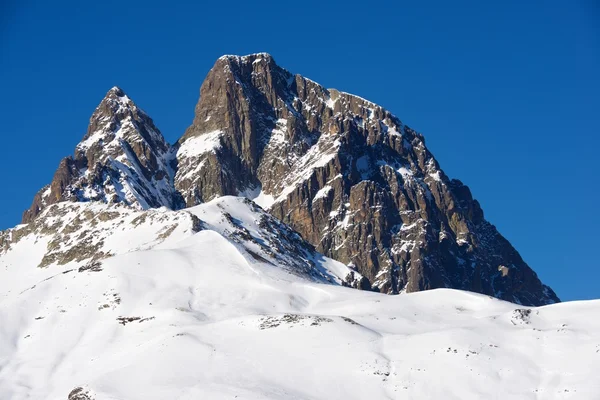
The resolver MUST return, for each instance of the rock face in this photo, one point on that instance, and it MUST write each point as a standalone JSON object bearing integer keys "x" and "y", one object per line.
{"x": 345, "y": 173}
{"x": 350, "y": 177}
{"x": 123, "y": 158}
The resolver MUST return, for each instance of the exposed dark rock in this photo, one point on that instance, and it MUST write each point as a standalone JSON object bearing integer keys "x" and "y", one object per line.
{"x": 290, "y": 320}
{"x": 350, "y": 178}
{"x": 79, "y": 393}
{"x": 126, "y": 320}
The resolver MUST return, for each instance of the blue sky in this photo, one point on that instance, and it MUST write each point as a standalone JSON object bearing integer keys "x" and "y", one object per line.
{"x": 506, "y": 93}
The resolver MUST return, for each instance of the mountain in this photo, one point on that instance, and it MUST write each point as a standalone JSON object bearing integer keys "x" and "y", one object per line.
{"x": 343, "y": 172}
{"x": 350, "y": 177}
{"x": 123, "y": 158}
{"x": 226, "y": 265}
{"x": 221, "y": 301}
{"x": 86, "y": 233}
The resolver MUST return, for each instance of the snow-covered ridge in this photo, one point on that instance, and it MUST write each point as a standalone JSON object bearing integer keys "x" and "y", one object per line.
{"x": 191, "y": 304}
{"x": 123, "y": 158}
{"x": 74, "y": 234}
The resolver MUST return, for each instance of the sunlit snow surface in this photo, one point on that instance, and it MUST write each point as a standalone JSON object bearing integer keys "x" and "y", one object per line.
{"x": 194, "y": 317}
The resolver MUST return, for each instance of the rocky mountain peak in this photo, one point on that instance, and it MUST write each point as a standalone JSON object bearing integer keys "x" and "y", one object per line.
{"x": 115, "y": 105}
{"x": 117, "y": 120}
{"x": 122, "y": 158}
{"x": 233, "y": 78}
{"x": 348, "y": 175}
{"x": 117, "y": 91}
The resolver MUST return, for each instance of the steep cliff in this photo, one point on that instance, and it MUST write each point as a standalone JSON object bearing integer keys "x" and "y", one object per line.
{"x": 350, "y": 177}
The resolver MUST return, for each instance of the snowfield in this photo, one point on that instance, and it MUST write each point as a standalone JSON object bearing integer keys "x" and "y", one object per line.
{"x": 222, "y": 310}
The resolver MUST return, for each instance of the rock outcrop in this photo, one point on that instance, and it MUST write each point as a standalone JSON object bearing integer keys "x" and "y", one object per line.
{"x": 350, "y": 177}
{"x": 123, "y": 158}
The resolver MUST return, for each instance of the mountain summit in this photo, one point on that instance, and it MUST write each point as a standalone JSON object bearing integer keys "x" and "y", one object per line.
{"x": 345, "y": 173}
{"x": 123, "y": 158}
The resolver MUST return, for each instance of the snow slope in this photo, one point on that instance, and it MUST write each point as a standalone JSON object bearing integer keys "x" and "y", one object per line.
{"x": 217, "y": 302}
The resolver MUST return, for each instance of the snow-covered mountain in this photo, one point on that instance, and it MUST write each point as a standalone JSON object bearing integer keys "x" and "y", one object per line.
{"x": 350, "y": 177}
{"x": 226, "y": 265}
{"x": 222, "y": 301}
{"x": 123, "y": 158}
{"x": 343, "y": 172}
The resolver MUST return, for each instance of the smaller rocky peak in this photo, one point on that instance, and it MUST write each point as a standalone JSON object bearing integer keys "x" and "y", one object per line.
{"x": 117, "y": 91}
{"x": 118, "y": 117}
{"x": 116, "y": 104}
{"x": 115, "y": 99}
{"x": 122, "y": 158}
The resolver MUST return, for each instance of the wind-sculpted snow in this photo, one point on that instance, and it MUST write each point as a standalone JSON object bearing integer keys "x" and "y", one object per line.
{"x": 82, "y": 235}
{"x": 197, "y": 315}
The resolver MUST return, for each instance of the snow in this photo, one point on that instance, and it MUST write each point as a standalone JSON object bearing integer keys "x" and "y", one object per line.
{"x": 46, "y": 192}
{"x": 323, "y": 192}
{"x": 405, "y": 172}
{"x": 89, "y": 141}
{"x": 410, "y": 226}
{"x": 116, "y": 130}
{"x": 257, "y": 195}
{"x": 246, "y": 57}
{"x": 391, "y": 130}
{"x": 216, "y": 323}
{"x": 345, "y": 222}
{"x": 197, "y": 145}
{"x": 192, "y": 153}
{"x": 363, "y": 100}
{"x": 436, "y": 176}
{"x": 277, "y": 137}
{"x": 318, "y": 156}
{"x": 264, "y": 200}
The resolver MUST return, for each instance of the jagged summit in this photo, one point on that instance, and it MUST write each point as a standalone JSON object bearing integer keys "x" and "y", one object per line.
{"x": 345, "y": 173}
{"x": 350, "y": 177}
{"x": 113, "y": 98}
{"x": 251, "y": 57}
{"x": 122, "y": 158}
{"x": 117, "y": 91}
{"x": 117, "y": 117}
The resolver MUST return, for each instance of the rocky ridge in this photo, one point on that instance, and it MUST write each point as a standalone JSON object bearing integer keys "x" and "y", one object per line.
{"x": 79, "y": 236}
{"x": 345, "y": 173}
{"x": 123, "y": 158}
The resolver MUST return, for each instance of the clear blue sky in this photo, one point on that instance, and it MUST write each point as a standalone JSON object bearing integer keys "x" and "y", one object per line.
{"x": 506, "y": 93}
